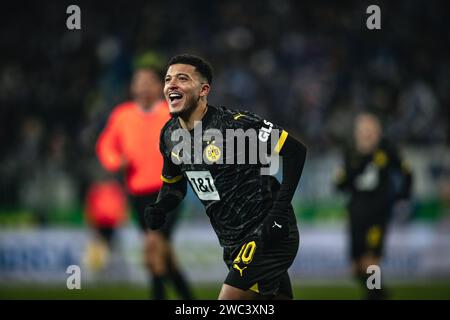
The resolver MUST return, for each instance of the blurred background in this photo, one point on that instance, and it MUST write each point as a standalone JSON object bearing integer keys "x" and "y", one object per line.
{"x": 309, "y": 66}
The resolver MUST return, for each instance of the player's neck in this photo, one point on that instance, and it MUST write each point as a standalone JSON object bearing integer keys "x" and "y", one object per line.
{"x": 197, "y": 115}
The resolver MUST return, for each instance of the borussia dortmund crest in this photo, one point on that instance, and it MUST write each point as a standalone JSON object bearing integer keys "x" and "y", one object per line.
{"x": 212, "y": 152}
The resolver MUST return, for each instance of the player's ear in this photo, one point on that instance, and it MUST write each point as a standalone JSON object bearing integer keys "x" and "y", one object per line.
{"x": 205, "y": 89}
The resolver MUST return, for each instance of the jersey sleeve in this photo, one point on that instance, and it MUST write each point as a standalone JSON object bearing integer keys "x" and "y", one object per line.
{"x": 171, "y": 173}
{"x": 268, "y": 133}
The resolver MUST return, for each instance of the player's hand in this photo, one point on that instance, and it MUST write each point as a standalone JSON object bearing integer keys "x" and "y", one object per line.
{"x": 154, "y": 217}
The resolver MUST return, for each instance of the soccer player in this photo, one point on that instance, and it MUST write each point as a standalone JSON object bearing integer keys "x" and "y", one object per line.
{"x": 130, "y": 142}
{"x": 376, "y": 178}
{"x": 251, "y": 213}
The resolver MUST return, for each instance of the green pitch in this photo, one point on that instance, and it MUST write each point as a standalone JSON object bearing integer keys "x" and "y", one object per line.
{"x": 435, "y": 290}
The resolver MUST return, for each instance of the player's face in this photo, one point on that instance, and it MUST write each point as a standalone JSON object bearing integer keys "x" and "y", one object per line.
{"x": 183, "y": 89}
{"x": 367, "y": 132}
{"x": 146, "y": 85}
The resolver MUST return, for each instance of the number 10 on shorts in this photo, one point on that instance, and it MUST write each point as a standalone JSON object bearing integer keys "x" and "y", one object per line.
{"x": 246, "y": 253}
{"x": 245, "y": 256}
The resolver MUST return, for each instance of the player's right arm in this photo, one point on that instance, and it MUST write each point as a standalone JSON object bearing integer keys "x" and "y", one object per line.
{"x": 170, "y": 196}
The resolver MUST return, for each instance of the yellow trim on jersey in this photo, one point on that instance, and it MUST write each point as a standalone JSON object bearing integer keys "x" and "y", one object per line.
{"x": 281, "y": 141}
{"x": 255, "y": 288}
{"x": 172, "y": 180}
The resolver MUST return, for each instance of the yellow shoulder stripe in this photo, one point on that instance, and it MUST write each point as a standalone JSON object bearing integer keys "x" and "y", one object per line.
{"x": 238, "y": 116}
{"x": 281, "y": 141}
{"x": 172, "y": 180}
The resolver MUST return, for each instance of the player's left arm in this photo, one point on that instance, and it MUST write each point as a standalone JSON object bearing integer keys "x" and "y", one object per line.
{"x": 282, "y": 143}
{"x": 294, "y": 155}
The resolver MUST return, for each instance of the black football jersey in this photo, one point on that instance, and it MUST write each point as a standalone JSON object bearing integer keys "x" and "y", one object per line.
{"x": 223, "y": 170}
{"x": 375, "y": 180}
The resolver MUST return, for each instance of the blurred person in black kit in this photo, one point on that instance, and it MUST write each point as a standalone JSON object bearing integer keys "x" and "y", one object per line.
{"x": 377, "y": 178}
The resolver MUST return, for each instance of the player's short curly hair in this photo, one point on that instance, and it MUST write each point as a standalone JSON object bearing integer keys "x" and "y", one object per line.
{"x": 201, "y": 66}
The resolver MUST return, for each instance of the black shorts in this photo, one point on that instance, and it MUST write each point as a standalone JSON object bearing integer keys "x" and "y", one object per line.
{"x": 367, "y": 232}
{"x": 261, "y": 266}
{"x": 140, "y": 202}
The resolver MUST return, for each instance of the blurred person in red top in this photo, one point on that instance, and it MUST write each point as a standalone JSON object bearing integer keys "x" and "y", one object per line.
{"x": 106, "y": 207}
{"x": 130, "y": 142}
{"x": 105, "y": 211}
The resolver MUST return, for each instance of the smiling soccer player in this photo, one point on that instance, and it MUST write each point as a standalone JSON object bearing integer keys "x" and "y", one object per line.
{"x": 251, "y": 213}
